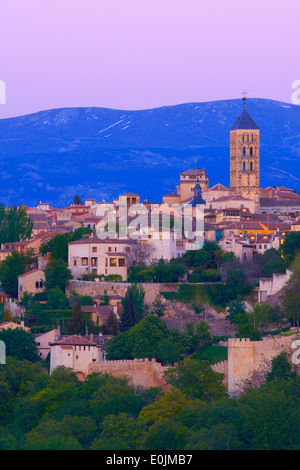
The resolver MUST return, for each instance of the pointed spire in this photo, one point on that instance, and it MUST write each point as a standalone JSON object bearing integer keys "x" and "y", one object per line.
{"x": 244, "y": 93}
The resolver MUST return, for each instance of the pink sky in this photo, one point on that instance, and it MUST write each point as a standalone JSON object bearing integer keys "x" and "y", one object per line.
{"x": 136, "y": 54}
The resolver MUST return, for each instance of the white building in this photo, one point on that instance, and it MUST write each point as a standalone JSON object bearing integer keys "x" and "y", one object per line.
{"x": 101, "y": 257}
{"x": 76, "y": 353}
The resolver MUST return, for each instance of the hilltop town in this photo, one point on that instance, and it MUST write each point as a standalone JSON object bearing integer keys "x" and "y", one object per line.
{"x": 130, "y": 288}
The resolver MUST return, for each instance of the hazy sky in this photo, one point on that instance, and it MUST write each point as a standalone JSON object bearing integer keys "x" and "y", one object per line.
{"x": 136, "y": 54}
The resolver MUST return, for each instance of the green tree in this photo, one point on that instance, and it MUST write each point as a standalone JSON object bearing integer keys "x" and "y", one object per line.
{"x": 248, "y": 331}
{"x": 272, "y": 262}
{"x": 167, "y": 351}
{"x": 15, "y": 224}
{"x": 86, "y": 300}
{"x": 237, "y": 312}
{"x": 56, "y": 298}
{"x": 20, "y": 344}
{"x": 281, "y": 369}
{"x": 57, "y": 274}
{"x": 77, "y": 200}
{"x": 58, "y": 245}
{"x": 146, "y": 336}
{"x": 290, "y": 298}
{"x": 112, "y": 325}
{"x": 77, "y": 323}
{"x": 261, "y": 315}
{"x": 158, "y": 306}
{"x": 291, "y": 246}
{"x": 7, "y": 316}
{"x": 197, "y": 379}
{"x": 122, "y": 432}
{"x": 10, "y": 268}
{"x": 133, "y": 307}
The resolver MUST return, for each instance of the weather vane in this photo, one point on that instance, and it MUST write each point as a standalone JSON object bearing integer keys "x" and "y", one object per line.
{"x": 244, "y": 93}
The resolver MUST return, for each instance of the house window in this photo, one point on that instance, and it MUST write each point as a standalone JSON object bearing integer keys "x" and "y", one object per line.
{"x": 109, "y": 248}
{"x": 75, "y": 262}
{"x": 94, "y": 261}
{"x": 84, "y": 261}
{"x": 121, "y": 262}
{"x": 94, "y": 249}
{"x": 113, "y": 262}
{"x": 127, "y": 249}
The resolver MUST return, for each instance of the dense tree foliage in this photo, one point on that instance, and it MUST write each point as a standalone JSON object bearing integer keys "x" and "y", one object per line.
{"x": 15, "y": 224}
{"x": 20, "y": 344}
{"x": 57, "y": 274}
{"x": 57, "y": 412}
{"x": 10, "y": 268}
{"x": 58, "y": 245}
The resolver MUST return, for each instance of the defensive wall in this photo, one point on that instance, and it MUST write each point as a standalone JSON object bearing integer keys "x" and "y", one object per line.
{"x": 118, "y": 288}
{"x": 246, "y": 358}
{"x": 140, "y": 372}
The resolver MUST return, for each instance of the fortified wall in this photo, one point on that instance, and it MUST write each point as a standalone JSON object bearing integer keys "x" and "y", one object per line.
{"x": 118, "y": 288}
{"x": 140, "y": 372}
{"x": 248, "y": 363}
{"x": 251, "y": 360}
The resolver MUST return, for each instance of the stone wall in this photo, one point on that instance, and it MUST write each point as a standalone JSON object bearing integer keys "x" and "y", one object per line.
{"x": 251, "y": 360}
{"x": 141, "y": 372}
{"x": 272, "y": 285}
{"x": 222, "y": 368}
{"x": 113, "y": 288}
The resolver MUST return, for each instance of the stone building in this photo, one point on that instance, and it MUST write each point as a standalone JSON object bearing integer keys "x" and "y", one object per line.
{"x": 76, "y": 353}
{"x": 188, "y": 181}
{"x": 32, "y": 282}
{"x": 245, "y": 157}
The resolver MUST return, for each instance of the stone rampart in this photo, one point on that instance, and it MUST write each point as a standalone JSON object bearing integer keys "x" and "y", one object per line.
{"x": 140, "y": 372}
{"x": 118, "y": 288}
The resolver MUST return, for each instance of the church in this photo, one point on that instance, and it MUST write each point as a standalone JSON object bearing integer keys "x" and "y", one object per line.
{"x": 244, "y": 157}
{"x": 244, "y": 169}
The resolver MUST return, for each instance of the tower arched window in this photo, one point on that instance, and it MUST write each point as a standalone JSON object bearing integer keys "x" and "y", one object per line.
{"x": 244, "y": 166}
{"x": 251, "y": 151}
{"x": 244, "y": 151}
{"x": 251, "y": 166}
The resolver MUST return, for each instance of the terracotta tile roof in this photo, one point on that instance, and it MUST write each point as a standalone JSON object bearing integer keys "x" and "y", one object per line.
{"x": 74, "y": 340}
{"x": 31, "y": 272}
{"x": 95, "y": 240}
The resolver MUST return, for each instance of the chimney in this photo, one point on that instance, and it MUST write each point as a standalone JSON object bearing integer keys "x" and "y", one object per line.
{"x": 91, "y": 337}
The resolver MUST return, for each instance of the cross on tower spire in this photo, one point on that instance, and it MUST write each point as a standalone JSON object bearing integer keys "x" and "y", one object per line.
{"x": 244, "y": 93}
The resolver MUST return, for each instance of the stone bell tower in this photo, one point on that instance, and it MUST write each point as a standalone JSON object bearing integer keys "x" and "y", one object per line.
{"x": 244, "y": 157}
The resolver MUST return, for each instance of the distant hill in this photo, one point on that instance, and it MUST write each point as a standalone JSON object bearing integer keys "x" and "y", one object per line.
{"x": 52, "y": 155}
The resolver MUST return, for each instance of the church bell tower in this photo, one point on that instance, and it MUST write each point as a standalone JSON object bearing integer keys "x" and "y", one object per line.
{"x": 244, "y": 157}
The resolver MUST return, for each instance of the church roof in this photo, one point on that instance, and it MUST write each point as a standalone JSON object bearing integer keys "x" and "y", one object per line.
{"x": 244, "y": 121}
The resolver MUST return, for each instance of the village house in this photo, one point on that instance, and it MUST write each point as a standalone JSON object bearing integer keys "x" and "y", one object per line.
{"x": 101, "y": 257}
{"x": 76, "y": 353}
{"x": 43, "y": 341}
{"x": 240, "y": 246}
{"x": 31, "y": 282}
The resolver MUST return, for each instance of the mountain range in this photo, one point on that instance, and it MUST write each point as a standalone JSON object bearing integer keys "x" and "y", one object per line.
{"x": 100, "y": 153}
